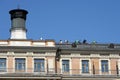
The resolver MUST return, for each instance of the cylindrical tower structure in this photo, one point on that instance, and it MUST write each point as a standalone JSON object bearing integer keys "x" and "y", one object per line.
{"x": 18, "y": 27}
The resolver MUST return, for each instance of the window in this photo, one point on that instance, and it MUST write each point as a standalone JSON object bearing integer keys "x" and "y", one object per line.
{"x": 85, "y": 66}
{"x": 20, "y": 64}
{"x": 65, "y": 65}
{"x": 2, "y": 64}
{"x": 39, "y": 65}
{"x": 104, "y": 65}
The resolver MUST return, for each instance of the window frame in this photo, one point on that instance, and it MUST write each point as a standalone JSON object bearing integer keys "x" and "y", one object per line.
{"x": 21, "y": 65}
{"x": 85, "y": 69}
{"x": 66, "y": 66}
{"x": 104, "y": 69}
{"x": 43, "y": 63}
{"x": 3, "y": 68}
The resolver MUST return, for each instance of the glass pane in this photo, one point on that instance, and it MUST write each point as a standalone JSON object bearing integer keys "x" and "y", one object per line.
{"x": 20, "y": 64}
{"x": 65, "y": 65}
{"x": 2, "y": 64}
{"x": 39, "y": 65}
{"x": 104, "y": 65}
{"x": 85, "y": 66}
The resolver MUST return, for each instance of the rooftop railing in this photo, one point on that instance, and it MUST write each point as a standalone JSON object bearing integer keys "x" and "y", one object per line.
{"x": 88, "y": 46}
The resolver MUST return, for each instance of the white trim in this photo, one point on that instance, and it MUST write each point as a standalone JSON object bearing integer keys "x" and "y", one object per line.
{"x": 6, "y": 64}
{"x": 119, "y": 65}
{"x": 109, "y": 67}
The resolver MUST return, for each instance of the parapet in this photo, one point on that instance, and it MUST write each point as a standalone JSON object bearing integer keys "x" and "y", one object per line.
{"x": 24, "y": 42}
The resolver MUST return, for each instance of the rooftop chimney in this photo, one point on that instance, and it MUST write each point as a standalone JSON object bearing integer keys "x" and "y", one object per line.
{"x": 18, "y": 28}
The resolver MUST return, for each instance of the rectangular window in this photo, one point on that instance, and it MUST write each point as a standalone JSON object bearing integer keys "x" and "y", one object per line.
{"x": 85, "y": 66}
{"x": 65, "y": 65}
{"x": 20, "y": 64}
{"x": 2, "y": 64}
{"x": 39, "y": 65}
{"x": 104, "y": 65}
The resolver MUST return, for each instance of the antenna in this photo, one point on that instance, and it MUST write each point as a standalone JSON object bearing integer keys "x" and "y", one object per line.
{"x": 18, "y": 6}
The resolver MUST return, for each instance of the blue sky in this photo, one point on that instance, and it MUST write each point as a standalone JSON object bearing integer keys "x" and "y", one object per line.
{"x": 93, "y": 20}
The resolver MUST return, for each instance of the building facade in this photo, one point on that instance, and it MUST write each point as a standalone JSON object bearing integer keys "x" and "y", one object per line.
{"x": 24, "y": 59}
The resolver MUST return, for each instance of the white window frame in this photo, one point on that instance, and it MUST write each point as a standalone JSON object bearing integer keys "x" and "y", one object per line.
{"x": 100, "y": 69}
{"x": 45, "y": 64}
{"x": 14, "y": 63}
{"x": 70, "y": 67}
{"x": 90, "y": 72}
{"x": 6, "y": 64}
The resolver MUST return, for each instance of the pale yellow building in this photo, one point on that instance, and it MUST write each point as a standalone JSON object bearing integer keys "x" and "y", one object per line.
{"x": 24, "y": 59}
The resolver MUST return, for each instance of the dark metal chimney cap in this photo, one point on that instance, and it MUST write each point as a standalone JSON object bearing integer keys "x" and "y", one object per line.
{"x": 18, "y": 10}
{"x": 18, "y": 13}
